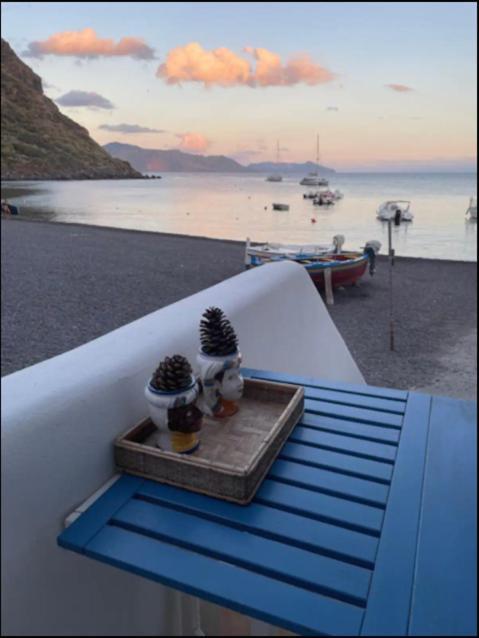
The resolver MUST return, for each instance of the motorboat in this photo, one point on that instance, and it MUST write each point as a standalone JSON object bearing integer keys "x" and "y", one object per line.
{"x": 311, "y": 195}
{"x": 346, "y": 266}
{"x": 280, "y": 206}
{"x": 324, "y": 198}
{"x": 471, "y": 212}
{"x": 395, "y": 210}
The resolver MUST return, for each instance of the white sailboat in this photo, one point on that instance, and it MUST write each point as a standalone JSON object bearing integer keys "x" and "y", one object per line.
{"x": 472, "y": 209}
{"x": 275, "y": 177}
{"x": 313, "y": 179}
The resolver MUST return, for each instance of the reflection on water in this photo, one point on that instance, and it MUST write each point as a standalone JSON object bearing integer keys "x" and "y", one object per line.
{"x": 234, "y": 206}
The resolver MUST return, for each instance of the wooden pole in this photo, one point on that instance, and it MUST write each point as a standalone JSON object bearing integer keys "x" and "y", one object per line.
{"x": 328, "y": 285}
{"x": 391, "y": 264}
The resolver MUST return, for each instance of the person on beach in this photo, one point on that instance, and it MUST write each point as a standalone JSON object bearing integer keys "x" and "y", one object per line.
{"x": 8, "y": 209}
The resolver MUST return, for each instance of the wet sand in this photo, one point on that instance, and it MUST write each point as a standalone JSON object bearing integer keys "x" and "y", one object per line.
{"x": 65, "y": 284}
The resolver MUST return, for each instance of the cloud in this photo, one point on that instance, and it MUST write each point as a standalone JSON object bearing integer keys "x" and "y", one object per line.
{"x": 129, "y": 128}
{"x": 400, "y": 88}
{"x": 84, "y": 98}
{"x": 86, "y": 44}
{"x": 193, "y": 142}
{"x": 332, "y": 108}
{"x": 222, "y": 67}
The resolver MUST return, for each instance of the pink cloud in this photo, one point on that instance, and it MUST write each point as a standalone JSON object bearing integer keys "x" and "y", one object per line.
{"x": 193, "y": 142}
{"x": 222, "y": 67}
{"x": 86, "y": 44}
{"x": 400, "y": 88}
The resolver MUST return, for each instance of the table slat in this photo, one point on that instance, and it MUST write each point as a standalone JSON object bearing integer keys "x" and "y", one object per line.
{"x": 351, "y": 428}
{"x": 265, "y": 598}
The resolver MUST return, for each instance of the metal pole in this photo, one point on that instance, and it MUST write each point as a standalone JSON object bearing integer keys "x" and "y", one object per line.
{"x": 391, "y": 264}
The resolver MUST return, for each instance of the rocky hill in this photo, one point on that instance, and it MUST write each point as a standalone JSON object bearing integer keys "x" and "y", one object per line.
{"x": 149, "y": 160}
{"x": 38, "y": 141}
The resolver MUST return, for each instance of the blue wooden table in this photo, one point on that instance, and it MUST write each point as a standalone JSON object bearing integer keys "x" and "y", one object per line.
{"x": 364, "y": 525}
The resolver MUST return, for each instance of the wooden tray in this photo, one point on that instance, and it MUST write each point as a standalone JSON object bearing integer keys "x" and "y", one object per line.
{"x": 235, "y": 453}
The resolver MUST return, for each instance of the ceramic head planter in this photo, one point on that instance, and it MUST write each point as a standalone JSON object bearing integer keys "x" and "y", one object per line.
{"x": 171, "y": 394}
{"x": 219, "y": 363}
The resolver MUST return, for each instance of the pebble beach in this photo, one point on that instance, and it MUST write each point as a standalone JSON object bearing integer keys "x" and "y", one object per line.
{"x": 66, "y": 284}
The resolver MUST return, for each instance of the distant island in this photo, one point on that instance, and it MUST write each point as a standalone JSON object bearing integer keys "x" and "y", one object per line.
{"x": 38, "y": 141}
{"x": 148, "y": 160}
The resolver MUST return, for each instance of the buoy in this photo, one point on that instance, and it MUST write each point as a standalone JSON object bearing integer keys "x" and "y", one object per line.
{"x": 313, "y": 221}
{"x": 266, "y": 208}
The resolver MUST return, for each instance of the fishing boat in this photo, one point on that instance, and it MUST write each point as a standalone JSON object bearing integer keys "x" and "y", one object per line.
{"x": 275, "y": 177}
{"x": 291, "y": 251}
{"x": 346, "y": 267}
{"x": 471, "y": 212}
{"x": 280, "y": 206}
{"x": 395, "y": 208}
{"x": 325, "y": 198}
{"x": 313, "y": 179}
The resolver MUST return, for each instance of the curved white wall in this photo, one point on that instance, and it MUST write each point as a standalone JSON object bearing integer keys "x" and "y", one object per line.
{"x": 59, "y": 419}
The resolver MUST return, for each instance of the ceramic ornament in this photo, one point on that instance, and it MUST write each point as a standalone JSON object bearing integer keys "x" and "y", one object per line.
{"x": 219, "y": 365}
{"x": 172, "y": 394}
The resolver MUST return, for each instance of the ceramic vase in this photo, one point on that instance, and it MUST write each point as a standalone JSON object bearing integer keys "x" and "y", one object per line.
{"x": 222, "y": 384}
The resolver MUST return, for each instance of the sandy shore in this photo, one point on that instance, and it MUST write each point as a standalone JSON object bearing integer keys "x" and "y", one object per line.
{"x": 65, "y": 284}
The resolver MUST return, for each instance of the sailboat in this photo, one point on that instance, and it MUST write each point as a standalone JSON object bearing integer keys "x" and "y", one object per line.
{"x": 276, "y": 177}
{"x": 313, "y": 179}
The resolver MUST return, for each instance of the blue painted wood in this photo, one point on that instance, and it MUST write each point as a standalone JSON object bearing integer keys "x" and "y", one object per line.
{"x": 351, "y": 428}
{"x": 344, "y": 444}
{"x": 387, "y": 612}
{"x": 269, "y": 522}
{"x": 362, "y": 518}
{"x": 445, "y": 588}
{"x": 337, "y": 386}
{"x": 265, "y": 598}
{"x": 77, "y": 535}
{"x": 343, "y": 463}
{"x": 361, "y": 415}
{"x": 278, "y": 560}
{"x": 355, "y": 400}
{"x": 342, "y": 485}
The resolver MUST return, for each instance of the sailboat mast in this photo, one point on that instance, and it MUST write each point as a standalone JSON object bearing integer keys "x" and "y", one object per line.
{"x": 317, "y": 153}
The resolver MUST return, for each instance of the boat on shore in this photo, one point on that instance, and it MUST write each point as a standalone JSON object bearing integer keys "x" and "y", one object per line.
{"x": 346, "y": 267}
{"x": 277, "y": 206}
{"x": 395, "y": 210}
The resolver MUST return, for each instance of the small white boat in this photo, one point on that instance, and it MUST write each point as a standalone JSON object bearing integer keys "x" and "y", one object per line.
{"x": 324, "y": 198}
{"x": 392, "y": 208}
{"x": 276, "y": 177}
{"x": 313, "y": 179}
{"x": 472, "y": 210}
{"x": 280, "y": 206}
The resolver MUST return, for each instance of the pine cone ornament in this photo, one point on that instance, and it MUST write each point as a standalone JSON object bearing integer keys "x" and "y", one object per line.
{"x": 173, "y": 373}
{"x": 217, "y": 335}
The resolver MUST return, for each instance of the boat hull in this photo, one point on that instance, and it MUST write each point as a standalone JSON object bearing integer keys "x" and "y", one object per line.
{"x": 342, "y": 274}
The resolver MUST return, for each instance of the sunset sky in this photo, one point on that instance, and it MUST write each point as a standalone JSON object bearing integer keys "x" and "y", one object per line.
{"x": 387, "y": 86}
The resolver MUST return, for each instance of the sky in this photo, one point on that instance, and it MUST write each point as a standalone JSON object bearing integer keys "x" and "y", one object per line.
{"x": 386, "y": 86}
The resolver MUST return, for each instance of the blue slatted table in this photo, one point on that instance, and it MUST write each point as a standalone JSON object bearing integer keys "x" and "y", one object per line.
{"x": 365, "y": 524}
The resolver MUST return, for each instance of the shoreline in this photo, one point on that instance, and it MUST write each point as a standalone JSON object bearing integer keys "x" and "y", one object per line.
{"x": 64, "y": 284}
{"x": 200, "y": 237}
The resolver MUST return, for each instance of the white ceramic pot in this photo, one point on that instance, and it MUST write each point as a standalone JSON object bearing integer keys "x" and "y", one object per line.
{"x": 222, "y": 384}
{"x": 166, "y": 408}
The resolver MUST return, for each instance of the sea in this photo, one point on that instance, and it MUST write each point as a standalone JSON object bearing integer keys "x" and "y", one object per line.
{"x": 237, "y": 206}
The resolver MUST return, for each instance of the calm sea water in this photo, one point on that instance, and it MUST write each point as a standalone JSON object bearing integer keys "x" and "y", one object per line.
{"x": 231, "y": 206}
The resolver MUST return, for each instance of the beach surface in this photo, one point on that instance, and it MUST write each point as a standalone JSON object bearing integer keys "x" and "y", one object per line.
{"x": 66, "y": 284}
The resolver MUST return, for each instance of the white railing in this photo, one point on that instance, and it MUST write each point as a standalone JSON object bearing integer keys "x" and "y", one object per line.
{"x": 60, "y": 417}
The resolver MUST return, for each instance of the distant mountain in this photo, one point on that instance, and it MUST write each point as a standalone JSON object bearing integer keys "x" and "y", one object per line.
{"x": 148, "y": 160}
{"x": 284, "y": 167}
{"x": 38, "y": 141}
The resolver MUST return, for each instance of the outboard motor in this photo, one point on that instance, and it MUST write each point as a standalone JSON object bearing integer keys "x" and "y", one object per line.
{"x": 371, "y": 249}
{"x": 397, "y": 217}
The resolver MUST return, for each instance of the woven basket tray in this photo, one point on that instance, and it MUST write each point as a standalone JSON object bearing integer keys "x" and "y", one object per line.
{"x": 235, "y": 453}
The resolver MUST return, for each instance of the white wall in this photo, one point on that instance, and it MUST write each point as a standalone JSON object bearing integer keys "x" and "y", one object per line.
{"x": 59, "y": 419}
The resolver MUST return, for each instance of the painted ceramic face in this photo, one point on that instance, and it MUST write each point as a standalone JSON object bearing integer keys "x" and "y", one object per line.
{"x": 231, "y": 388}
